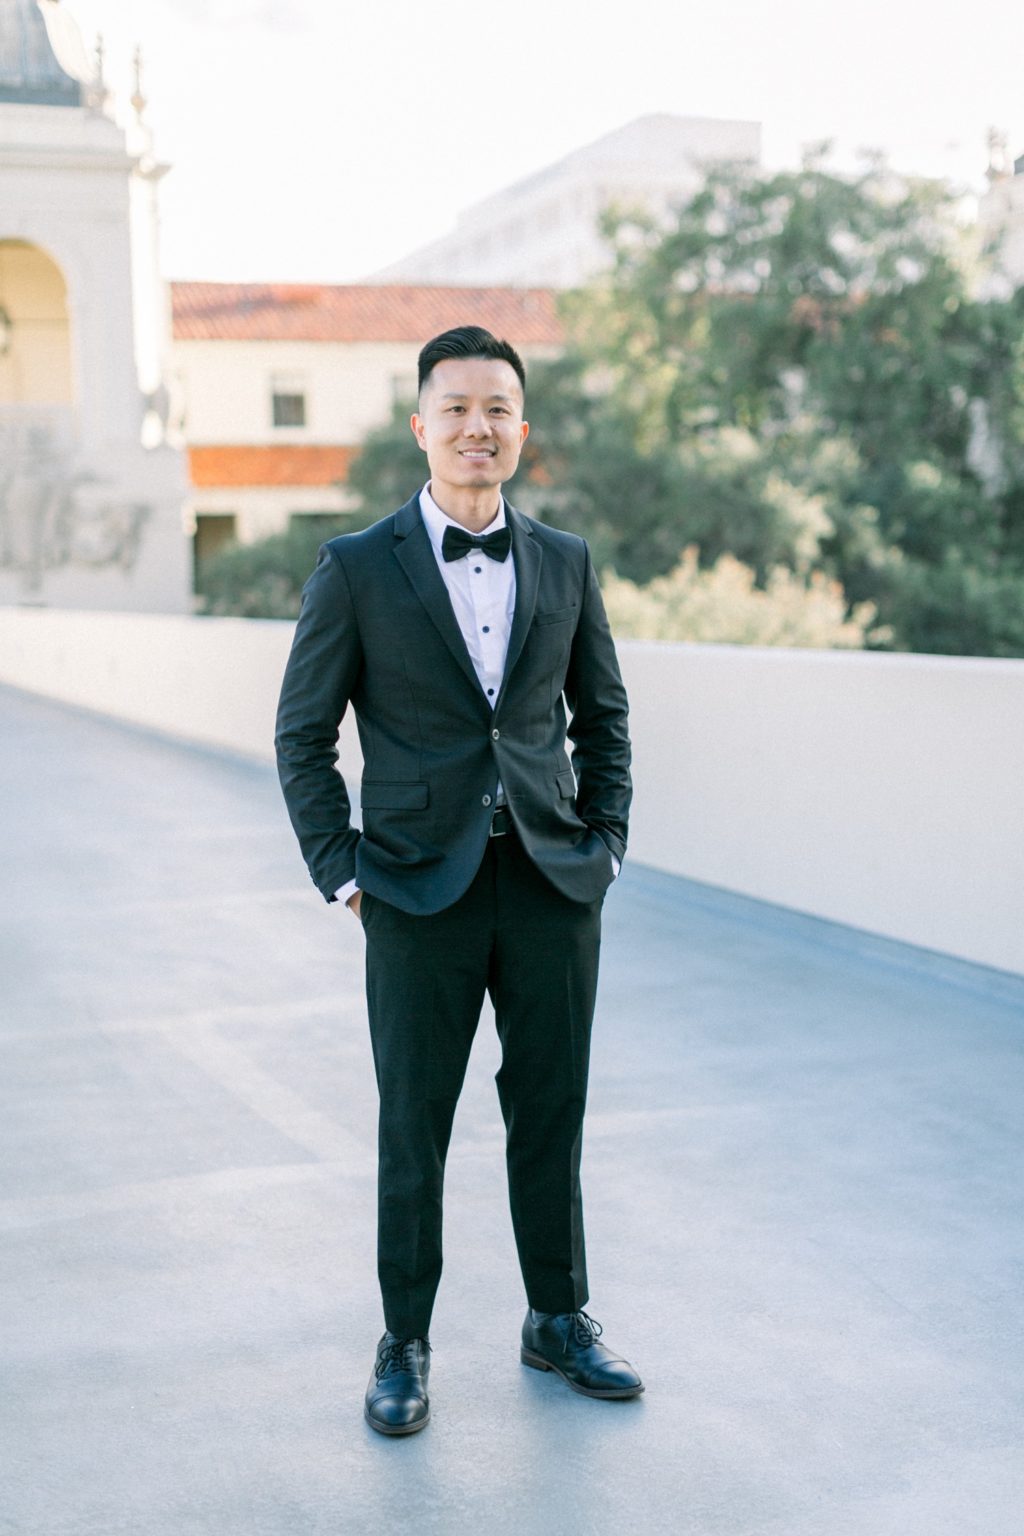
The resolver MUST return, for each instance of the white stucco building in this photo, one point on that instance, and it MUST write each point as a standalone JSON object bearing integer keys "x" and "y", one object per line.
{"x": 277, "y": 384}
{"x": 544, "y": 230}
{"x": 91, "y": 494}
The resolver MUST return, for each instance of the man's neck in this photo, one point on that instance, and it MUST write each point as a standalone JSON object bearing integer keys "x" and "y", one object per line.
{"x": 472, "y": 507}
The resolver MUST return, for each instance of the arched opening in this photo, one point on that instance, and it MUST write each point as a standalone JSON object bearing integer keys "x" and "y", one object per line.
{"x": 36, "y": 379}
{"x": 36, "y": 412}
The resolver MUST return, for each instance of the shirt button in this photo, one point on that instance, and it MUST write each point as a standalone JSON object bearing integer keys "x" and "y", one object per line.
{"x": 487, "y": 629}
{"x": 478, "y": 569}
{"x": 495, "y": 735}
{"x": 490, "y": 690}
{"x": 486, "y": 800}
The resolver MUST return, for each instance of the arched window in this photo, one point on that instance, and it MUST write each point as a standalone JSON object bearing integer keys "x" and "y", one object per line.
{"x": 35, "y": 333}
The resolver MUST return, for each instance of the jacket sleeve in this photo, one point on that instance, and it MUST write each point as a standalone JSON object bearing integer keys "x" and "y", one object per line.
{"x": 322, "y": 672}
{"x": 598, "y": 722}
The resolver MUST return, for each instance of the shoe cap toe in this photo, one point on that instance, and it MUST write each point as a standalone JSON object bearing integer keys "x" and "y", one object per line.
{"x": 396, "y": 1412}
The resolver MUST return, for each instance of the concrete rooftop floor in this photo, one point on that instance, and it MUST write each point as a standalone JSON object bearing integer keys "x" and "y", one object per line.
{"x": 803, "y": 1177}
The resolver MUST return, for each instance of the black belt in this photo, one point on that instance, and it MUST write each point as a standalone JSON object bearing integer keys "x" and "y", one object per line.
{"x": 501, "y": 822}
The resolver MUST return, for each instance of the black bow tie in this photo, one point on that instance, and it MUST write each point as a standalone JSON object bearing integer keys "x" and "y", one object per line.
{"x": 457, "y": 542}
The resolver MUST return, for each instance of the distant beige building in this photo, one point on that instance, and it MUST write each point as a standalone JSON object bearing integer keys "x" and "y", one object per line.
{"x": 544, "y": 230}
{"x": 276, "y": 385}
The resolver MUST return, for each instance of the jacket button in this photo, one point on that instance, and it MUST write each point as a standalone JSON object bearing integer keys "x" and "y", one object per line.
{"x": 486, "y": 800}
{"x": 495, "y": 735}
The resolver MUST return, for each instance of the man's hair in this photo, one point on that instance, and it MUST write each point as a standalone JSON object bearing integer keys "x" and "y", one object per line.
{"x": 468, "y": 341}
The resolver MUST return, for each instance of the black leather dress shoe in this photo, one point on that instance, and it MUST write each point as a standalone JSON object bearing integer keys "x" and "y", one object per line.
{"x": 566, "y": 1343}
{"x": 396, "y": 1398}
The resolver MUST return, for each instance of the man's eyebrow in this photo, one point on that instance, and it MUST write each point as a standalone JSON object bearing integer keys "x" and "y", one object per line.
{"x": 452, "y": 394}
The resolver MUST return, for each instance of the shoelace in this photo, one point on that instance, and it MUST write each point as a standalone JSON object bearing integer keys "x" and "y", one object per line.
{"x": 582, "y": 1330}
{"x": 396, "y": 1357}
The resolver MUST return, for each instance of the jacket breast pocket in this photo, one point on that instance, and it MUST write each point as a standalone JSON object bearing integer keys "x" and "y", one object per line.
{"x": 375, "y": 796}
{"x": 555, "y": 616}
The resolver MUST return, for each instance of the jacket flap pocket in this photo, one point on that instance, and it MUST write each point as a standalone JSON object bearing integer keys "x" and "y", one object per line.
{"x": 393, "y": 797}
{"x": 566, "y": 786}
{"x": 556, "y": 616}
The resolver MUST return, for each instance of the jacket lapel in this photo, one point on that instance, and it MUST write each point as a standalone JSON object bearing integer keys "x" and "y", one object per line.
{"x": 528, "y": 555}
{"x": 416, "y": 557}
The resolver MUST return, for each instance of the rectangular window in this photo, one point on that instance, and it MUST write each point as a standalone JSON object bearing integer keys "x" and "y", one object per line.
{"x": 288, "y": 400}
{"x": 289, "y": 410}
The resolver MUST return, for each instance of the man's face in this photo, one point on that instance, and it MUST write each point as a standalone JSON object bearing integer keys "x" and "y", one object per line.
{"x": 470, "y": 423}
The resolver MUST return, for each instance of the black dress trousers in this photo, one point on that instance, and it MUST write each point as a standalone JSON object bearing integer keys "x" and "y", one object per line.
{"x": 513, "y": 935}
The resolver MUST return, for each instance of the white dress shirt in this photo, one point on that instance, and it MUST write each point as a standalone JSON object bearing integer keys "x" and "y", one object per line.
{"x": 483, "y": 598}
{"x": 482, "y": 592}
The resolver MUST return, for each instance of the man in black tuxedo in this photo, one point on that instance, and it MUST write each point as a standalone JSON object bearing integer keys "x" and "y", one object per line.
{"x": 463, "y": 634}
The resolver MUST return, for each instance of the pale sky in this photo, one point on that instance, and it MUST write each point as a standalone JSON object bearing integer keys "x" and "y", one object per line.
{"x": 312, "y": 140}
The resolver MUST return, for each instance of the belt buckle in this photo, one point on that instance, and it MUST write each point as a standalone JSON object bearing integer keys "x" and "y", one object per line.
{"x": 499, "y": 822}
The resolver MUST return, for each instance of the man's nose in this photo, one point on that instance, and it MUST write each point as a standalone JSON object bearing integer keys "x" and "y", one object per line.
{"x": 476, "y": 424}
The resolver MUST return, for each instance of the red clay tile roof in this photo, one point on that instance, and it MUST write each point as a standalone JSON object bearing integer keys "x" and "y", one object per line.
{"x": 279, "y": 464}
{"x": 352, "y": 312}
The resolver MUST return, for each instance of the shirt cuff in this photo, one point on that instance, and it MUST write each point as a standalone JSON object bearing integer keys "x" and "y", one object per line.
{"x": 616, "y": 866}
{"x": 345, "y": 892}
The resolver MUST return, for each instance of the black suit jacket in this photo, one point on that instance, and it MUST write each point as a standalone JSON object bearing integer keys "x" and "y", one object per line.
{"x": 377, "y": 631}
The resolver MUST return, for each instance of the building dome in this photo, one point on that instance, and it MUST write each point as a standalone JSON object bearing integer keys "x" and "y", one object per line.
{"x": 31, "y": 36}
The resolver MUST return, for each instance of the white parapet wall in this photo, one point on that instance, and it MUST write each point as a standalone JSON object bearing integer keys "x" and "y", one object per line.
{"x": 213, "y": 681}
{"x": 885, "y": 792}
{"x": 882, "y": 791}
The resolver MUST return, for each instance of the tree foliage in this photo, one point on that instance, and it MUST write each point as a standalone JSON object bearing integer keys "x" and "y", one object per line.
{"x": 389, "y": 467}
{"x": 818, "y": 334}
{"x": 264, "y": 579}
{"x": 723, "y": 605}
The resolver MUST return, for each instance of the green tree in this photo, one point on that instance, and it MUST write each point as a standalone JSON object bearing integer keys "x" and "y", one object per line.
{"x": 264, "y": 580}
{"x": 389, "y": 467}
{"x": 831, "y": 319}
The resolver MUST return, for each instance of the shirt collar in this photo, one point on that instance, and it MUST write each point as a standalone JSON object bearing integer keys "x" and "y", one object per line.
{"x": 437, "y": 521}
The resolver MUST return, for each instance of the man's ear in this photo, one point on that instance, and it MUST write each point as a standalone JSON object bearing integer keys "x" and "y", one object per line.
{"x": 418, "y": 430}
